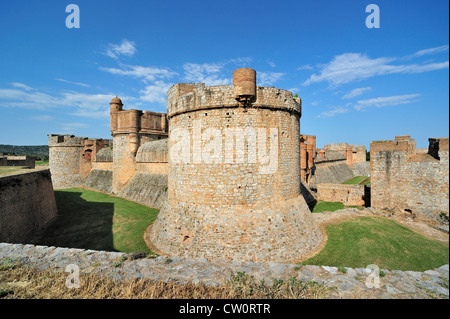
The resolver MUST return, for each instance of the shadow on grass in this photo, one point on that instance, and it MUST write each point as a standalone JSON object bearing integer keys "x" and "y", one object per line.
{"x": 79, "y": 224}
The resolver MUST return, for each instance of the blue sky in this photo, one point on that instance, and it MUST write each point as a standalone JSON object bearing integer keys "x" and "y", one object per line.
{"x": 357, "y": 84}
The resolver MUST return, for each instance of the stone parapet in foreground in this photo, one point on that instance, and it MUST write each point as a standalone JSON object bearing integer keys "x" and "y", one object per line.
{"x": 117, "y": 266}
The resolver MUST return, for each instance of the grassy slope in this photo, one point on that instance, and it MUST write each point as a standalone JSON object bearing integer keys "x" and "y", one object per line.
{"x": 358, "y": 180}
{"x": 7, "y": 170}
{"x": 322, "y": 206}
{"x": 94, "y": 220}
{"x": 371, "y": 240}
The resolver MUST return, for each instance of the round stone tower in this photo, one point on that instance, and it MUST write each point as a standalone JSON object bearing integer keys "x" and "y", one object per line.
{"x": 234, "y": 174}
{"x": 65, "y": 160}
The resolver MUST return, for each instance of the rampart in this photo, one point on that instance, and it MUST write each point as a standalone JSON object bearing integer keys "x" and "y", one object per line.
{"x": 404, "y": 180}
{"x": 330, "y": 167}
{"x": 27, "y": 203}
{"x": 130, "y": 130}
{"x": 352, "y": 153}
{"x": 71, "y": 157}
{"x": 349, "y": 195}
{"x": 26, "y": 161}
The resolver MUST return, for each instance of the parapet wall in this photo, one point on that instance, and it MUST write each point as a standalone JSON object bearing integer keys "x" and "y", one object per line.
{"x": 351, "y": 284}
{"x": 65, "y": 154}
{"x": 27, "y": 203}
{"x": 146, "y": 188}
{"x": 330, "y": 172}
{"x": 353, "y": 153}
{"x": 18, "y": 161}
{"x": 200, "y": 97}
{"x": 349, "y": 195}
{"x": 71, "y": 158}
{"x": 402, "y": 179}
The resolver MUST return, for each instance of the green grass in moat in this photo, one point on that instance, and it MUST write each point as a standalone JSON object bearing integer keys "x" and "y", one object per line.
{"x": 362, "y": 241}
{"x": 93, "y": 220}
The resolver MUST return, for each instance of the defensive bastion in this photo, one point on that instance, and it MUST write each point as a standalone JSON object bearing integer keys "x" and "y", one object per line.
{"x": 234, "y": 174}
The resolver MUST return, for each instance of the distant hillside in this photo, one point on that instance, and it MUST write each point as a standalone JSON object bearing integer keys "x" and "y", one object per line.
{"x": 36, "y": 151}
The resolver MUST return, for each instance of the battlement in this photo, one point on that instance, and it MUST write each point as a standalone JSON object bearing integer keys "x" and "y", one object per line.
{"x": 56, "y": 140}
{"x": 404, "y": 178}
{"x": 437, "y": 145}
{"x": 190, "y": 97}
{"x": 402, "y": 144}
{"x": 136, "y": 121}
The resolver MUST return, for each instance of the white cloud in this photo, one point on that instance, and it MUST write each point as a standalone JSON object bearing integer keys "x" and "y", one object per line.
{"x": 314, "y": 103}
{"x": 435, "y": 50}
{"x": 80, "y": 104}
{"x": 21, "y": 86}
{"x": 386, "y": 101}
{"x": 332, "y": 112}
{"x": 208, "y": 73}
{"x": 75, "y": 83}
{"x": 305, "y": 67}
{"x": 271, "y": 63}
{"x": 26, "y": 98}
{"x": 241, "y": 62}
{"x": 156, "y": 92}
{"x": 42, "y": 118}
{"x": 216, "y": 73}
{"x": 356, "y": 92}
{"x": 71, "y": 127}
{"x": 146, "y": 73}
{"x": 349, "y": 67}
{"x": 125, "y": 48}
{"x": 268, "y": 78}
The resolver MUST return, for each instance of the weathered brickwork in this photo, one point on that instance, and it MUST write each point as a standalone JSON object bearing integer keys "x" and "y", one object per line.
{"x": 130, "y": 130}
{"x": 347, "y": 194}
{"x": 402, "y": 179}
{"x": 18, "y": 161}
{"x": 361, "y": 169}
{"x": 353, "y": 153}
{"x": 27, "y": 203}
{"x": 229, "y": 201}
{"x": 65, "y": 153}
{"x": 307, "y": 156}
{"x": 71, "y": 157}
{"x": 332, "y": 171}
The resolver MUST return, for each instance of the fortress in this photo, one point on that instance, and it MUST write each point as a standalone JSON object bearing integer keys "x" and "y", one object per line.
{"x": 232, "y": 175}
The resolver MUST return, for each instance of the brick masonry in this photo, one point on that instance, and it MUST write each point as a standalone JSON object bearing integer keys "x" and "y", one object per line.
{"x": 349, "y": 195}
{"x": 71, "y": 157}
{"x": 119, "y": 266}
{"x": 402, "y": 179}
{"x": 27, "y": 204}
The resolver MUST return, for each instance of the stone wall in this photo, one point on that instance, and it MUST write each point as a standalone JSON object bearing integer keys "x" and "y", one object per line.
{"x": 146, "y": 188}
{"x": 27, "y": 203}
{"x": 402, "y": 179}
{"x": 336, "y": 284}
{"x": 359, "y": 153}
{"x": 20, "y": 161}
{"x": 71, "y": 157}
{"x": 361, "y": 169}
{"x": 349, "y": 195}
{"x": 100, "y": 180}
{"x": 331, "y": 172}
{"x": 65, "y": 154}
